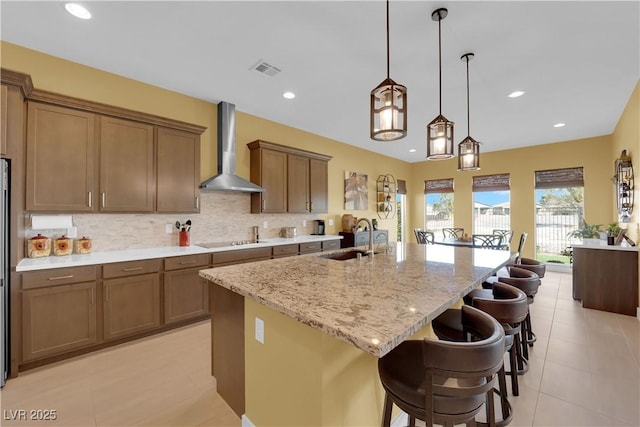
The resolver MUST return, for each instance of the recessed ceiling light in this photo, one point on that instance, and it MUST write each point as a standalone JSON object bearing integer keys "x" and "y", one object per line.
{"x": 413, "y": 150}
{"x": 289, "y": 95}
{"x": 78, "y": 11}
{"x": 516, "y": 94}
{"x": 559, "y": 125}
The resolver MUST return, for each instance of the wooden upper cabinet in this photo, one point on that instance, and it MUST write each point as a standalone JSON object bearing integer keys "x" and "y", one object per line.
{"x": 60, "y": 159}
{"x": 127, "y": 174}
{"x": 178, "y": 177}
{"x": 295, "y": 180}
{"x": 318, "y": 186}
{"x": 269, "y": 170}
{"x": 297, "y": 184}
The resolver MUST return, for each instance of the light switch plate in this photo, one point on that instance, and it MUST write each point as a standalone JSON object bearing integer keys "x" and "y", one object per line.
{"x": 168, "y": 228}
{"x": 304, "y": 222}
{"x": 260, "y": 330}
{"x": 72, "y": 232}
{"x": 330, "y": 222}
{"x": 265, "y": 224}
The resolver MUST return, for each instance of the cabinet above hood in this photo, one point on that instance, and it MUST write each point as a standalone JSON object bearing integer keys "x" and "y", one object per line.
{"x": 226, "y": 179}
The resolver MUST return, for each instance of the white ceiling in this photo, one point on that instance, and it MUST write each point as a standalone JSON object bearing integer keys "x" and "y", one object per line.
{"x": 578, "y": 61}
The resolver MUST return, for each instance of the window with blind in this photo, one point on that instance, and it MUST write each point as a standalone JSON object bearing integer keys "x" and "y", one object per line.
{"x": 491, "y": 203}
{"x": 559, "y": 197}
{"x": 438, "y": 199}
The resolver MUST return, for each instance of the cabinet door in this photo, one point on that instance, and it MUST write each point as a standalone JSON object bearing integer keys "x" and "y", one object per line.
{"x": 272, "y": 171}
{"x": 297, "y": 184}
{"x": 186, "y": 295}
{"x": 318, "y": 186}
{"x": 131, "y": 305}
{"x": 127, "y": 178}
{"x": 178, "y": 177}
{"x": 58, "y": 319}
{"x": 60, "y": 159}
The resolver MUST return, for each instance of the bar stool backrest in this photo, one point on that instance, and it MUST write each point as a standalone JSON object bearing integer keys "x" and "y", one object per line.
{"x": 508, "y": 305}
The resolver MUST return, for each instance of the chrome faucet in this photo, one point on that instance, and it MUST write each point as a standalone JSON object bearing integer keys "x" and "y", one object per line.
{"x": 370, "y": 228}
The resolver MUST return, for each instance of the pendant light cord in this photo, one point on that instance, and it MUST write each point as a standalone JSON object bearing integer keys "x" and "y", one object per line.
{"x": 440, "y": 59}
{"x": 387, "y": 39}
{"x": 468, "y": 120}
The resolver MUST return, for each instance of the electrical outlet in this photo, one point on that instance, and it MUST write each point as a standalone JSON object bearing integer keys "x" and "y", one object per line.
{"x": 72, "y": 232}
{"x": 330, "y": 222}
{"x": 260, "y": 330}
{"x": 265, "y": 224}
{"x": 304, "y": 222}
{"x": 168, "y": 228}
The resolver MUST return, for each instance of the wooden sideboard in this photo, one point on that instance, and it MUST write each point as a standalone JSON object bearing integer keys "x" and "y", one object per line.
{"x": 606, "y": 278}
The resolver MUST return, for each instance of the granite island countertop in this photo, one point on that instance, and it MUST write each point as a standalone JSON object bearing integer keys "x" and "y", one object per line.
{"x": 373, "y": 304}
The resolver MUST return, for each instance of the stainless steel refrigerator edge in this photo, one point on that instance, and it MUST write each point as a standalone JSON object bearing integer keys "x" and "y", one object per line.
{"x": 4, "y": 271}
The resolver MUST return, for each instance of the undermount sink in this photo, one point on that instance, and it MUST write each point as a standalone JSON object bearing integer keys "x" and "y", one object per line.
{"x": 343, "y": 256}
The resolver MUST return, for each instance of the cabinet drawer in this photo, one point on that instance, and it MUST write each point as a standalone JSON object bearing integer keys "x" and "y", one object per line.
{"x": 307, "y": 248}
{"x": 186, "y": 261}
{"x": 130, "y": 268}
{"x": 240, "y": 256}
{"x": 285, "y": 250}
{"x": 58, "y": 276}
{"x": 330, "y": 245}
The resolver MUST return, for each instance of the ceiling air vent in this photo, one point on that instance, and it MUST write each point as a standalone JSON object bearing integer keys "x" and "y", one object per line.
{"x": 265, "y": 68}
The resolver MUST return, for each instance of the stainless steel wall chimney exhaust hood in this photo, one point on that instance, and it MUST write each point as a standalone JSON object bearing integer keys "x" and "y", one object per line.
{"x": 226, "y": 179}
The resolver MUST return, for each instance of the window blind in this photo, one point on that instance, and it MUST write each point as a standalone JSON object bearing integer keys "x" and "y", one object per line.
{"x": 559, "y": 178}
{"x": 402, "y": 186}
{"x": 498, "y": 182}
{"x": 438, "y": 186}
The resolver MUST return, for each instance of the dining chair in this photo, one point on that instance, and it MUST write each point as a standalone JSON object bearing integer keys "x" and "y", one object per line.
{"x": 492, "y": 241}
{"x": 507, "y": 236}
{"x": 453, "y": 233}
{"x": 424, "y": 236}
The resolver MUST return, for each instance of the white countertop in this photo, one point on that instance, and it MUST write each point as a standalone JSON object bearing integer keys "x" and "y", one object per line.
{"x": 106, "y": 257}
{"x": 373, "y": 304}
{"x": 602, "y": 244}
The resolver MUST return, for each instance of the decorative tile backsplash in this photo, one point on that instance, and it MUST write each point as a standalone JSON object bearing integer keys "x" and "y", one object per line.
{"x": 223, "y": 217}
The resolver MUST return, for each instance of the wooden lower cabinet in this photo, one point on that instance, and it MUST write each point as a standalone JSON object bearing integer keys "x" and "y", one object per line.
{"x": 58, "y": 319}
{"x": 186, "y": 295}
{"x": 131, "y": 305}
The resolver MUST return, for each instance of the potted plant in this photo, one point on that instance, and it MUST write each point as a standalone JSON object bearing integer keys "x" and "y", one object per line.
{"x": 589, "y": 233}
{"x": 613, "y": 230}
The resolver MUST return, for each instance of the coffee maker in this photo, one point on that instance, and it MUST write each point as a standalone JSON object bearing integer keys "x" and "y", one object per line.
{"x": 318, "y": 227}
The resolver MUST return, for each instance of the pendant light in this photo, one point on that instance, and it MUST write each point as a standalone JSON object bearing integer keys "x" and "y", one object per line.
{"x": 388, "y": 106}
{"x": 469, "y": 148}
{"x": 440, "y": 130}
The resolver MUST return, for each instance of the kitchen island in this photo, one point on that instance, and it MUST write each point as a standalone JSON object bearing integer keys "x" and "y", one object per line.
{"x": 324, "y": 323}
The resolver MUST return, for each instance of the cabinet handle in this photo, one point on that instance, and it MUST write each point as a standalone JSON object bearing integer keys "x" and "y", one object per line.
{"x": 61, "y": 277}
{"x": 90, "y": 200}
{"x": 310, "y": 206}
{"x": 187, "y": 262}
{"x": 264, "y": 204}
{"x": 197, "y": 203}
{"x": 132, "y": 269}
{"x": 104, "y": 199}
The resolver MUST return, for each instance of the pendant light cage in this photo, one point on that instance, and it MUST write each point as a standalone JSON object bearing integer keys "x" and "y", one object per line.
{"x": 388, "y": 111}
{"x": 440, "y": 130}
{"x": 468, "y": 155}
{"x": 468, "y": 148}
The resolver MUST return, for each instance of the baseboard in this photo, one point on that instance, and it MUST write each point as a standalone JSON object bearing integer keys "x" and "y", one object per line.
{"x": 246, "y": 422}
{"x": 400, "y": 421}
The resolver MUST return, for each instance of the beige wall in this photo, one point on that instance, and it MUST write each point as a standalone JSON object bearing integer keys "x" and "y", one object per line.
{"x": 521, "y": 164}
{"x": 219, "y": 220}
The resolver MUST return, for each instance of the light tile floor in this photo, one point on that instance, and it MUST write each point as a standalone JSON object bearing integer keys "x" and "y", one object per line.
{"x": 584, "y": 371}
